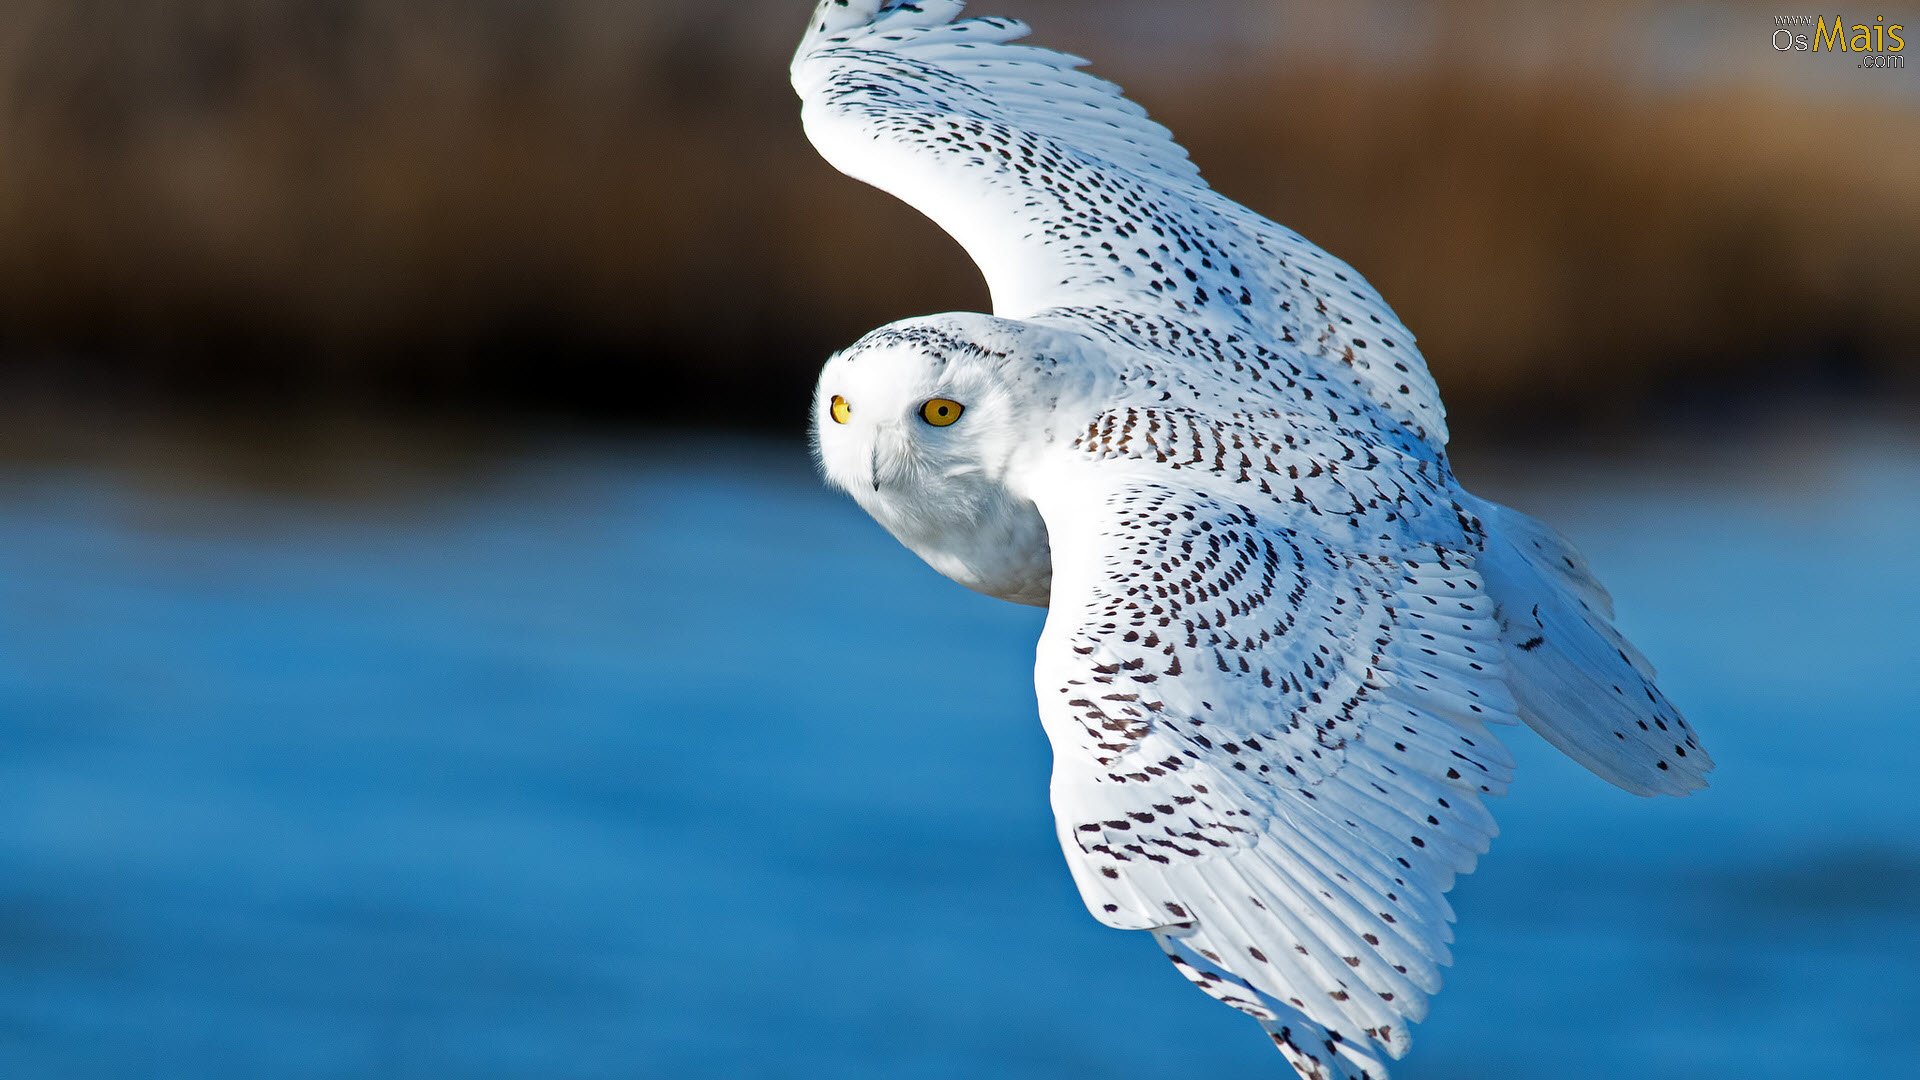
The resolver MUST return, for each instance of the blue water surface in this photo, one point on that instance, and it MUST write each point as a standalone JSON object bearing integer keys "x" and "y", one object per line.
{"x": 660, "y": 761}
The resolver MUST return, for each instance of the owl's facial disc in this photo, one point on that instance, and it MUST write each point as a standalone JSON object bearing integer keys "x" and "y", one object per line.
{"x": 891, "y": 419}
{"x": 936, "y": 412}
{"x": 922, "y": 423}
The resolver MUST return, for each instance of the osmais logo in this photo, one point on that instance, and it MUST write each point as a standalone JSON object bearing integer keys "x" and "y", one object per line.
{"x": 1878, "y": 44}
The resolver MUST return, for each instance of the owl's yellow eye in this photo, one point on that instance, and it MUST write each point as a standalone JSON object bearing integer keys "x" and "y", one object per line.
{"x": 842, "y": 412}
{"x": 941, "y": 412}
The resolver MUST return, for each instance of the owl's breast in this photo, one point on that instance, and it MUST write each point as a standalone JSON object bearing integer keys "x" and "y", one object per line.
{"x": 983, "y": 537}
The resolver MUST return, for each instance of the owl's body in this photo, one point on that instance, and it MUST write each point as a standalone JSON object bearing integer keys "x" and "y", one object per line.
{"x": 1278, "y": 627}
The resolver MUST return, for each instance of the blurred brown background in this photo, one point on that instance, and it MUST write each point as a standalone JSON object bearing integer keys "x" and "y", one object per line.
{"x": 607, "y": 208}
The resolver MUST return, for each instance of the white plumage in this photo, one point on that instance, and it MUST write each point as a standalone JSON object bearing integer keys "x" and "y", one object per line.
{"x": 1278, "y": 628}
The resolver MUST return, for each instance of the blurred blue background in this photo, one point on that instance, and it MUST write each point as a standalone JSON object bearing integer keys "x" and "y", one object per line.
{"x": 427, "y": 653}
{"x": 541, "y": 755}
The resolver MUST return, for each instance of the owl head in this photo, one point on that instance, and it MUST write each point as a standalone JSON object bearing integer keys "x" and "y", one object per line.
{"x": 923, "y": 423}
{"x": 923, "y": 408}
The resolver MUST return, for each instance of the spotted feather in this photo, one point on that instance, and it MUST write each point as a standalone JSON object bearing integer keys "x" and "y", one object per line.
{"x": 1075, "y": 203}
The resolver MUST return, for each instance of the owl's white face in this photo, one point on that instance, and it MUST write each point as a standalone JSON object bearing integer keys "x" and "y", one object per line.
{"x": 920, "y": 429}
{"x": 890, "y": 422}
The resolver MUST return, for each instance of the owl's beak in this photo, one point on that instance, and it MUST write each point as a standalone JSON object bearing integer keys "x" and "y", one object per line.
{"x": 887, "y": 455}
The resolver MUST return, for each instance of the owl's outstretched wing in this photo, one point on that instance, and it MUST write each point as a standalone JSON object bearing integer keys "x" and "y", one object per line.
{"x": 1266, "y": 675}
{"x": 1074, "y": 203}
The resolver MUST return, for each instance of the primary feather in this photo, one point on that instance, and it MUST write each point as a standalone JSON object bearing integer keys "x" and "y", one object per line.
{"x": 1279, "y": 628}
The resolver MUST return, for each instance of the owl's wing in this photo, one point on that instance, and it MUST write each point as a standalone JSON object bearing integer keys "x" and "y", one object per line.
{"x": 1266, "y": 675}
{"x": 1074, "y": 203}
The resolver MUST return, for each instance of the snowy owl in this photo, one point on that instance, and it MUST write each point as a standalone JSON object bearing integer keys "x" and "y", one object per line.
{"x": 1278, "y": 628}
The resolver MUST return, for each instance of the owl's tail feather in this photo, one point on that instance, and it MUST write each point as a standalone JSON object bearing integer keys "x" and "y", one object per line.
{"x": 1581, "y": 685}
{"x": 1314, "y": 1052}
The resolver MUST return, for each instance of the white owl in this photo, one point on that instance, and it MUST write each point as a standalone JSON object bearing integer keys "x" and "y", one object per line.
{"x": 1279, "y": 629}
